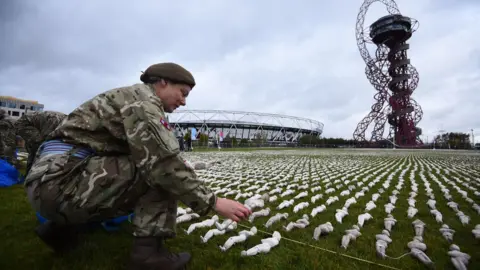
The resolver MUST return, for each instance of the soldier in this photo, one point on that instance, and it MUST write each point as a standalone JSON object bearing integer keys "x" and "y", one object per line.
{"x": 114, "y": 153}
{"x": 34, "y": 128}
{"x": 8, "y": 139}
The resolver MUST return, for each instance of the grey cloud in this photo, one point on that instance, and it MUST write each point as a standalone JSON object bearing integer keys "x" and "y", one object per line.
{"x": 269, "y": 56}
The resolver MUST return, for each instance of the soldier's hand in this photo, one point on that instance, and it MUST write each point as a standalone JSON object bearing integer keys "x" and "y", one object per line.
{"x": 232, "y": 209}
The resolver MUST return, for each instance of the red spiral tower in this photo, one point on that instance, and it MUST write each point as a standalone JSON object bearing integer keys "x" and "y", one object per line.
{"x": 392, "y": 75}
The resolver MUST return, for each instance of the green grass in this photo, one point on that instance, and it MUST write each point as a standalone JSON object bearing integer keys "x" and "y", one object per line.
{"x": 101, "y": 250}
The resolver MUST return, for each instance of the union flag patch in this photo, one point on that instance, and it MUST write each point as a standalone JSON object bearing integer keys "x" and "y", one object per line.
{"x": 165, "y": 124}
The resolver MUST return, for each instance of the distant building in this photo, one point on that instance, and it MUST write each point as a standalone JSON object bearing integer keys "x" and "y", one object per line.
{"x": 16, "y": 107}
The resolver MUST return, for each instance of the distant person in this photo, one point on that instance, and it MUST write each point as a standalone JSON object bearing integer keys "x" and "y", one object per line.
{"x": 34, "y": 128}
{"x": 117, "y": 153}
{"x": 8, "y": 139}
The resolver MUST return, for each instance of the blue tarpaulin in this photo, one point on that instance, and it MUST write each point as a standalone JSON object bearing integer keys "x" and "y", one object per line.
{"x": 9, "y": 175}
{"x": 109, "y": 225}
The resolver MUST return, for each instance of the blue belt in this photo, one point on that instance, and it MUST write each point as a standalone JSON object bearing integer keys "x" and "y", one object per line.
{"x": 56, "y": 147}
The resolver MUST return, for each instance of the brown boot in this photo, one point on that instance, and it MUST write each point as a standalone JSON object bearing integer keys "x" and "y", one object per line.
{"x": 149, "y": 253}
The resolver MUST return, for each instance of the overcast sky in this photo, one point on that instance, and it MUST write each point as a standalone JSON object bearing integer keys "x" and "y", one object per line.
{"x": 245, "y": 55}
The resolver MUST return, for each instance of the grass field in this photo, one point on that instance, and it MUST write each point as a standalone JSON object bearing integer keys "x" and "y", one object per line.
{"x": 334, "y": 171}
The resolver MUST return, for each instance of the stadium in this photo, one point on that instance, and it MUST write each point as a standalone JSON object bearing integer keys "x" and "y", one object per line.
{"x": 222, "y": 125}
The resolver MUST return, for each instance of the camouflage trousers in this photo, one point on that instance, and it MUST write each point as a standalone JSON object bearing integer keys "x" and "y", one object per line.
{"x": 69, "y": 190}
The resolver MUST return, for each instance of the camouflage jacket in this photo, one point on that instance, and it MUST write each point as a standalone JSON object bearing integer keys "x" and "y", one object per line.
{"x": 131, "y": 121}
{"x": 35, "y": 127}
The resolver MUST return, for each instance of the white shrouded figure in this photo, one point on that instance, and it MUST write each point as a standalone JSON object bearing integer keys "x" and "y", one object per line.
{"x": 276, "y": 218}
{"x": 389, "y": 222}
{"x": 382, "y": 242}
{"x": 411, "y": 212}
{"x": 370, "y": 205}
{"x": 389, "y": 207}
{"x": 241, "y": 237}
{"x": 331, "y": 200}
{"x": 273, "y": 198}
{"x": 350, "y": 201}
{"x": 393, "y": 199}
{"x": 182, "y": 211}
{"x": 187, "y": 217}
{"x": 262, "y": 213}
{"x": 316, "y": 197}
{"x": 447, "y": 233}
{"x": 318, "y": 209}
{"x": 417, "y": 250}
{"x": 375, "y": 197}
{"x": 350, "y": 234}
{"x": 362, "y": 218}
{"x": 438, "y": 215}
{"x": 464, "y": 219}
{"x": 458, "y": 258}
{"x": 265, "y": 247}
{"x": 411, "y": 202}
{"x": 299, "y": 224}
{"x": 476, "y": 231}
{"x": 431, "y": 203}
{"x": 230, "y": 226}
{"x": 323, "y": 229}
{"x": 206, "y": 223}
{"x": 419, "y": 226}
{"x": 285, "y": 204}
{"x": 287, "y": 192}
{"x": 301, "y": 195}
{"x": 453, "y": 205}
{"x": 300, "y": 206}
{"x": 345, "y": 193}
{"x": 341, "y": 213}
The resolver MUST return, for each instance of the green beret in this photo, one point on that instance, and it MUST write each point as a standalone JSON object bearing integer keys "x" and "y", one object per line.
{"x": 168, "y": 71}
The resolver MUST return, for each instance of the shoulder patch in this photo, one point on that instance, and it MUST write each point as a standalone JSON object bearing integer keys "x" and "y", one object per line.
{"x": 165, "y": 124}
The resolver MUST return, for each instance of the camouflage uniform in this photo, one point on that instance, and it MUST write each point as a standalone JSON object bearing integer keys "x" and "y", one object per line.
{"x": 34, "y": 128}
{"x": 8, "y": 141}
{"x": 135, "y": 165}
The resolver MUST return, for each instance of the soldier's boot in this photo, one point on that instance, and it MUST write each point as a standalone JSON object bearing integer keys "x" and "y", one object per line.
{"x": 59, "y": 238}
{"x": 149, "y": 253}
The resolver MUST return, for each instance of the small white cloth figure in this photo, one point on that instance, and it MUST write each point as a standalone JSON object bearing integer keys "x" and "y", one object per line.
{"x": 476, "y": 231}
{"x": 262, "y": 213}
{"x": 241, "y": 237}
{"x": 464, "y": 219}
{"x": 187, "y": 217}
{"x": 419, "y": 226}
{"x": 206, "y": 223}
{"x": 375, "y": 197}
{"x": 316, "y": 197}
{"x": 431, "y": 203}
{"x": 438, "y": 215}
{"x": 285, "y": 204}
{"x": 381, "y": 245}
{"x": 341, "y": 213}
{"x": 411, "y": 202}
{"x": 351, "y": 234}
{"x": 453, "y": 205}
{"x": 458, "y": 258}
{"x": 318, "y": 209}
{"x": 447, "y": 233}
{"x": 182, "y": 211}
{"x": 389, "y": 222}
{"x": 276, "y": 218}
{"x": 300, "y": 206}
{"x": 417, "y": 250}
{"x": 349, "y": 202}
{"x": 370, "y": 205}
{"x": 301, "y": 195}
{"x": 229, "y": 227}
{"x": 389, "y": 207}
{"x": 323, "y": 229}
{"x": 411, "y": 212}
{"x": 393, "y": 199}
{"x": 299, "y": 224}
{"x": 362, "y": 218}
{"x": 265, "y": 247}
